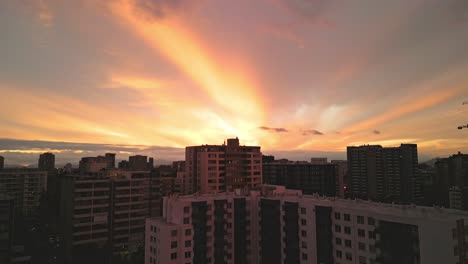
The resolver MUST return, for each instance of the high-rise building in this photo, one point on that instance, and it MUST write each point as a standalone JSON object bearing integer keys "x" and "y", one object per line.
{"x": 25, "y": 186}
{"x": 6, "y": 227}
{"x": 110, "y": 160}
{"x": 138, "y": 162}
{"x": 273, "y": 225}
{"x": 307, "y": 177}
{"x": 104, "y": 213}
{"x": 90, "y": 165}
{"x": 2, "y": 162}
{"x": 46, "y": 162}
{"x": 451, "y": 181}
{"x": 220, "y": 168}
{"x": 342, "y": 179}
{"x": 385, "y": 174}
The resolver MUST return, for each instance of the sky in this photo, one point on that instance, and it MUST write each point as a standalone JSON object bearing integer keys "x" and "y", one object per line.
{"x": 300, "y": 78}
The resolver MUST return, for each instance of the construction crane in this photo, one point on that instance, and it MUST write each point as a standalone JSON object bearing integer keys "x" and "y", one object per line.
{"x": 464, "y": 126}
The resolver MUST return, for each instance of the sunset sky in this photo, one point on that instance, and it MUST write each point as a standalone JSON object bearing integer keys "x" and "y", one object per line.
{"x": 299, "y": 78}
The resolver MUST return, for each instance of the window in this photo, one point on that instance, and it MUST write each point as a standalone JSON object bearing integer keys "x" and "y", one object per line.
{"x": 371, "y": 234}
{"x": 339, "y": 254}
{"x": 188, "y": 254}
{"x": 188, "y": 232}
{"x": 338, "y": 241}
{"x": 362, "y": 246}
{"x": 337, "y": 216}
{"x": 361, "y": 233}
{"x": 370, "y": 221}
{"x": 347, "y": 243}
{"x": 229, "y": 205}
{"x": 372, "y": 248}
{"x": 174, "y": 256}
{"x": 303, "y": 233}
{"x": 174, "y": 233}
{"x": 186, "y": 209}
{"x": 347, "y": 217}
{"x": 348, "y": 256}
{"x": 360, "y": 219}
{"x": 337, "y": 229}
{"x": 186, "y": 220}
{"x": 304, "y": 244}
{"x": 304, "y": 256}
{"x": 303, "y": 210}
{"x": 347, "y": 230}
{"x": 362, "y": 260}
{"x": 173, "y": 244}
{"x": 188, "y": 243}
{"x": 303, "y": 222}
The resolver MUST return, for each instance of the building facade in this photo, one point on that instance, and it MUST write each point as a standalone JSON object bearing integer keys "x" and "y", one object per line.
{"x": 6, "y": 227}
{"x": 2, "y": 162}
{"x": 450, "y": 185}
{"x": 385, "y": 174}
{"x": 310, "y": 178}
{"x": 105, "y": 213}
{"x": 25, "y": 186}
{"x": 274, "y": 225}
{"x": 46, "y": 162}
{"x": 220, "y": 168}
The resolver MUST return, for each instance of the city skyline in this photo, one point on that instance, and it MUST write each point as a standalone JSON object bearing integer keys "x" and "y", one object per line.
{"x": 298, "y": 78}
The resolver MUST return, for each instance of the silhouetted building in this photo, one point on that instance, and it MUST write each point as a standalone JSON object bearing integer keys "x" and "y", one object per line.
{"x": 138, "y": 162}
{"x": 90, "y": 165}
{"x": 220, "y": 168}
{"x": 342, "y": 179}
{"x": 272, "y": 225}
{"x": 318, "y": 161}
{"x": 25, "y": 187}
{"x": 385, "y": 174}
{"x": 150, "y": 163}
{"x": 110, "y": 160}
{"x": 6, "y": 227}
{"x": 105, "y": 213}
{"x": 307, "y": 177}
{"x": 451, "y": 181}
{"x": 46, "y": 162}
{"x": 2, "y": 162}
{"x": 124, "y": 165}
{"x": 267, "y": 159}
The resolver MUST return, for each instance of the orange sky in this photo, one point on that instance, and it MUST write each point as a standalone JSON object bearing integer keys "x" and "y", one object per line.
{"x": 293, "y": 76}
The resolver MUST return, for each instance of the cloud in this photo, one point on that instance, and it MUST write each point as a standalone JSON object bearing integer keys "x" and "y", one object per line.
{"x": 274, "y": 129}
{"x": 26, "y": 152}
{"x": 311, "y": 132}
{"x": 377, "y": 132}
{"x": 158, "y": 9}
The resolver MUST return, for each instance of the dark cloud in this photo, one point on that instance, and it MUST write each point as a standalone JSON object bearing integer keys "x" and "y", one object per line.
{"x": 157, "y": 9}
{"x": 311, "y": 132}
{"x": 377, "y": 132}
{"x": 274, "y": 129}
{"x": 27, "y": 151}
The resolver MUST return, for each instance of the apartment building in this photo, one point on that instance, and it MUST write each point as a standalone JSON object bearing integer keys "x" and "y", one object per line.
{"x": 385, "y": 174}
{"x": 25, "y": 186}
{"x": 274, "y": 225}
{"x": 6, "y": 227}
{"x": 106, "y": 212}
{"x": 220, "y": 168}
{"x": 310, "y": 178}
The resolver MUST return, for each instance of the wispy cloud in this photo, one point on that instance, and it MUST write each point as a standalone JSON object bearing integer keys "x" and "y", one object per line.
{"x": 377, "y": 132}
{"x": 274, "y": 129}
{"x": 311, "y": 132}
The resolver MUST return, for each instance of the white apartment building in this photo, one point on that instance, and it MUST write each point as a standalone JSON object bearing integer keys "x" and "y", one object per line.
{"x": 271, "y": 224}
